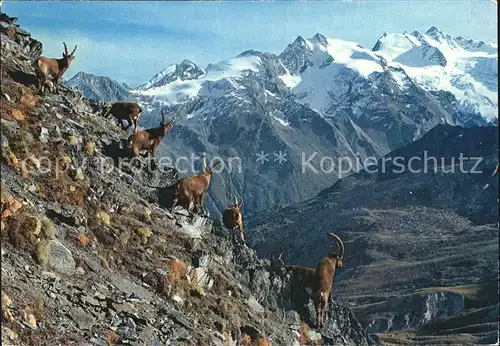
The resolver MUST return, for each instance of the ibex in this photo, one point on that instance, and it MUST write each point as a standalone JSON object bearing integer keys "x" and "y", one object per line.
{"x": 321, "y": 279}
{"x": 232, "y": 218}
{"x": 48, "y": 69}
{"x": 150, "y": 139}
{"x": 129, "y": 111}
{"x": 190, "y": 191}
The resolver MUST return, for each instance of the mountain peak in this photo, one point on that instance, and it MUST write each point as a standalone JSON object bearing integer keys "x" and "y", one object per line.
{"x": 99, "y": 87}
{"x": 300, "y": 41}
{"x": 186, "y": 70}
{"x": 319, "y": 38}
{"x": 187, "y": 63}
{"x": 433, "y": 30}
{"x": 250, "y": 52}
{"x": 82, "y": 74}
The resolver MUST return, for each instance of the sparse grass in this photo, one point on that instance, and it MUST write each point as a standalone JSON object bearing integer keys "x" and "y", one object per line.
{"x": 246, "y": 340}
{"x": 30, "y": 303}
{"x": 21, "y": 230}
{"x": 140, "y": 213}
{"x": 263, "y": 341}
{"x": 177, "y": 272}
{"x": 303, "y": 330}
{"x": 63, "y": 190}
{"x": 42, "y": 252}
{"x": 48, "y": 228}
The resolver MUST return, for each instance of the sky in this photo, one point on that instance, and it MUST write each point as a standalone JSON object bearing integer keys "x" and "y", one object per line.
{"x": 130, "y": 41}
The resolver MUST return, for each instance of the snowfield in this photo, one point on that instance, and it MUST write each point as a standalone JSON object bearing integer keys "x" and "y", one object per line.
{"x": 470, "y": 71}
{"x": 180, "y": 91}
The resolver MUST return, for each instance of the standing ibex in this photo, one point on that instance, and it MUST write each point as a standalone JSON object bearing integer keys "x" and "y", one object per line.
{"x": 325, "y": 273}
{"x": 129, "y": 111}
{"x": 321, "y": 279}
{"x": 232, "y": 218}
{"x": 150, "y": 139}
{"x": 191, "y": 190}
{"x": 52, "y": 69}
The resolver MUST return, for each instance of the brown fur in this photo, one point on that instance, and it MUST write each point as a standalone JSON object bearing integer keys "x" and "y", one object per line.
{"x": 325, "y": 273}
{"x": 129, "y": 111}
{"x": 321, "y": 278}
{"x": 190, "y": 191}
{"x": 307, "y": 274}
{"x": 232, "y": 217}
{"x": 150, "y": 139}
{"x": 49, "y": 69}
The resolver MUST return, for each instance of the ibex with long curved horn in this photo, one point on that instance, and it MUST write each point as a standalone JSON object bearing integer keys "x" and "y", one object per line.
{"x": 325, "y": 273}
{"x": 190, "y": 191}
{"x": 52, "y": 69}
{"x": 150, "y": 139}
{"x": 232, "y": 217}
{"x": 319, "y": 279}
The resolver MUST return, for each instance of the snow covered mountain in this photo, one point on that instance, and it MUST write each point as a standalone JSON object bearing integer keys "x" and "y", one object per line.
{"x": 319, "y": 72}
{"x": 186, "y": 70}
{"x": 99, "y": 87}
{"x": 321, "y": 97}
{"x": 439, "y": 62}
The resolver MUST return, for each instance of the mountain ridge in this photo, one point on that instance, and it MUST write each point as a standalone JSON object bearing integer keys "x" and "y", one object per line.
{"x": 99, "y": 87}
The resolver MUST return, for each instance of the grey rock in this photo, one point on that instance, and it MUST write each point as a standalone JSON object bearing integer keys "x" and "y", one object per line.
{"x": 130, "y": 287}
{"x": 44, "y": 135}
{"x": 255, "y": 305}
{"x": 91, "y": 301}
{"x": 11, "y": 126}
{"x": 60, "y": 258}
{"x": 81, "y": 318}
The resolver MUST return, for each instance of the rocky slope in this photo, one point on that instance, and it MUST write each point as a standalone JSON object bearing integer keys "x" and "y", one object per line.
{"x": 421, "y": 244}
{"x": 320, "y": 97}
{"x": 90, "y": 258}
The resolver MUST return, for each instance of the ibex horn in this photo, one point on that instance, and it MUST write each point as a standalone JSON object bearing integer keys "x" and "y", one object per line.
{"x": 162, "y": 112}
{"x": 73, "y": 52}
{"x": 339, "y": 243}
{"x": 65, "y": 48}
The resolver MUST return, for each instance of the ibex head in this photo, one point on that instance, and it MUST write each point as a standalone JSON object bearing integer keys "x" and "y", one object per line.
{"x": 237, "y": 205}
{"x": 277, "y": 262}
{"x": 68, "y": 57}
{"x": 340, "y": 255}
{"x": 209, "y": 170}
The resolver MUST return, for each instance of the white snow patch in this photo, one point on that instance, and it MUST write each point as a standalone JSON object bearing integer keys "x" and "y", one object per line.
{"x": 281, "y": 121}
{"x": 291, "y": 81}
{"x": 180, "y": 91}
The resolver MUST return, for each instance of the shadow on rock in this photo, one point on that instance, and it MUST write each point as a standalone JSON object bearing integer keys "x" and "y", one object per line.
{"x": 166, "y": 196}
{"x": 23, "y": 78}
{"x": 118, "y": 151}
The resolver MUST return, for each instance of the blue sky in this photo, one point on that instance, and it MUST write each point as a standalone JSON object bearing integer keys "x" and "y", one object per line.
{"x": 131, "y": 41}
